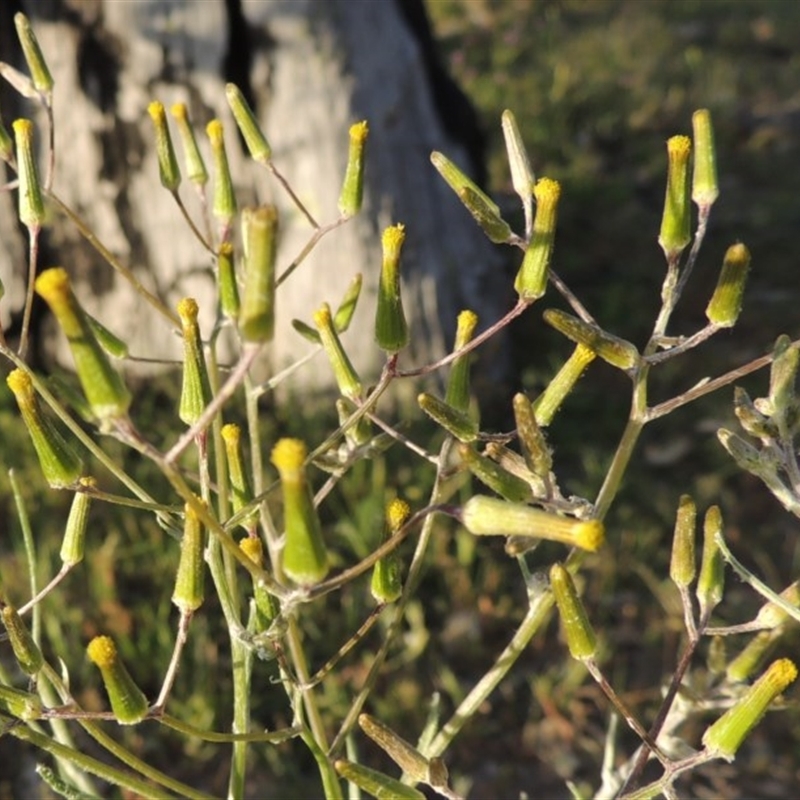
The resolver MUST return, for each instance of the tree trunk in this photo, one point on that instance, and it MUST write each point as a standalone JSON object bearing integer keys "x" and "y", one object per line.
{"x": 311, "y": 68}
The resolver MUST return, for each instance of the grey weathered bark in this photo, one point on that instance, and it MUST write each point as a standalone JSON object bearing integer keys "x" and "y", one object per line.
{"x": 315, "y": 66}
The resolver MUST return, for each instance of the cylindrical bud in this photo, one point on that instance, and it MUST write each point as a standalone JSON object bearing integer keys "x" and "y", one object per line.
{"x": 489, "y": 221}
{"x": 457, "y": 394}
{"x": 305, "y": 559}
{"x": 705, "y": 189}
{"x": 531, "y": 281}
{"x": 128, "y": 701}
{"x": 189, "y": 591}
{"x": 549, "y": 401}
{"x": 31, "y": 205}
{"x": 726, "y": 302}
{"x": 458, "y": 181}
{"x": 267, "y": 606}
{"x": 405, "y": 755}
{"x": 110, "y": 342}
{"x": 72, "y": 546}
{"x": 346, "y": 378}
{"x": 683, "y": 566}
{"x": 195, "y": 166}
{"x": 358, "y": 434}
{"x": 387, "y": 585}
{"x": 726, "y": 735}
{"x": 195, "y": 388}
{"x": 488, "y": 516}
{"x": 242, "y": 494}
{"x": 6, "y": 145}
{"x": 376, "y": 783}
{"x": 168, "y": 170}
{"x": 711, "y": 583}
{"x": 750, "y": 418}
{"x": 60, "y": 463}
{"x": 783, "y": 374}
{"x": 344, "y": 314}
{"x": 574, "y": 622}
{"x": 492, "y": 475}
{"x": 771, "y": 615}
{"x": 226, "y": 282}
{"x": 26, "y": 651}
{"x": 742, "y": 452}
{"x": 534, "y": 446}
{"x": 20, "y": 704}
{"x": 752, "y": 656}
{"x": 224, "y": 205}
{"x": 522, "y": 178}
{"x": 675, "y": 233}
{"x": 260, "y": 237}
{"x": 253, "y": 136}
{"x": 615, "y": 351}
{"x": 453, "y": 421}
{"x": 107, "y": 395}
{"x": 352, "y": 193}
{"x": 391, "y": 329}
{"x": 42, "y": 79}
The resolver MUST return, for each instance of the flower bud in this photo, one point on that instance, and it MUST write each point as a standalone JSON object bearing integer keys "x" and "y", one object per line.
{"x": 189, "y": 591}
{"x": 376, "y": 783}
{"x": 750, "y": 418}
{"x": 488, "y": 516}
{"x": 615, "y": 351}
{"x": 457, "y": 180}
{"x": 352, "y": 192}
{"x": 683, "y": 567}
{"x": 752, "y": 656}
{"x": 347, "y": 307}
{"x": 20, "y": 704}
{"x": 224, "y": 206}
{"x": 550, "y": 400}
{"x": 6, "y": 145}
{"x": 405, "y": 755}
{"x": 358, "y": 434}
{"x": 391, "y": 329}
{"x": 226, "y": 282}
{"x": 711, "y": 583}
{"x": 195, "y": 389}
{"x": 31, "y": 205}
{"x": 251, "y": 132}
{"x": 107, "y": 395}
{"x": 783, "y": 374}
{"x": 110, "y": 342}
{"x": 726, "y": 735}
{"x": 534, "y": 446}
{"x": 575, "y": 624}
{"x": 60, "y": 464}
{"x": 305, "y": 559}
{"x": 489, "y": 221}
{"x": 726, "y": 302}
{"x": 495, "y": 477}
{"x": 127, "y": 700}
{"x": 238, "y": 477}
{"x": 168, "y": 170}
{"x": 346, "y": 378}
{"x": 457, "y": 394}
{"x": 26, "y": 651}
{"x": 72, "y": 546}
{"x": 267, "y": 607}
{"x": 771, "y": 615}
{"x": 387, "y": 585}
{"x": 260, "y": 235}
{"x": 522, "y": 178}
{"x": 195, "y": 166}
{"x": 675, "y": 220}
{"x": 704, "y": 180}
{"x": 453, "y": 421}
{"x": 531, "y": 281}
{"x": 42, "y": 79}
